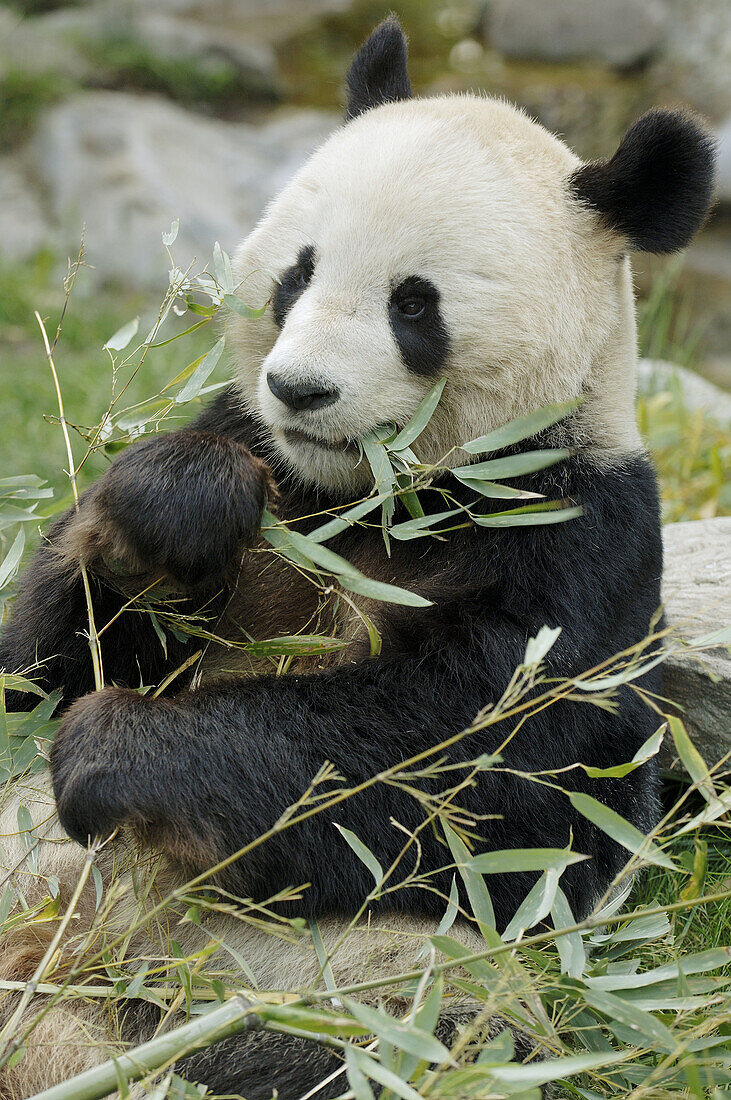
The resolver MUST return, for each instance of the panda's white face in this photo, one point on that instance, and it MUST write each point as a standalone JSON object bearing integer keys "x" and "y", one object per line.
{"x": 425, "y": 239}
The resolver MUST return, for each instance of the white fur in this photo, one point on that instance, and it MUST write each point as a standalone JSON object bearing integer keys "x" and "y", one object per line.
{"x": 472, "y": 195}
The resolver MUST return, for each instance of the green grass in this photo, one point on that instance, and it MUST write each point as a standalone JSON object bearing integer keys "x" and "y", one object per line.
{"x": 706, "y": 856}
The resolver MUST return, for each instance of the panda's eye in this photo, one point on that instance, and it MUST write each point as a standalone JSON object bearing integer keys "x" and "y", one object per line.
{"x": 412, "y": 308}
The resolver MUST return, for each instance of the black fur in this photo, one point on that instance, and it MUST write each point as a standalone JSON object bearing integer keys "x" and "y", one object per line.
{"x": 293, "y": 283}
{"x": 247, "y": 1064}
{"x": 423, "y": 341}
{"x": 657, "y": 188}
{"x": 253, "y": 1064}
{"x": 378, "y": 72}
{"x": 200, "y": 774}
{"x": 248, "y": 749}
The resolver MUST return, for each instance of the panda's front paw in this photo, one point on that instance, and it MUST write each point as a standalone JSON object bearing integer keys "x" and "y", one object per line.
{"x": 95, "y": 765}
{"x": 182, "y": 504}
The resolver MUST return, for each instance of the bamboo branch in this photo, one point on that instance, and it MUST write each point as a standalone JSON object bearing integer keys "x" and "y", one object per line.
{"x": 96, "y": 653}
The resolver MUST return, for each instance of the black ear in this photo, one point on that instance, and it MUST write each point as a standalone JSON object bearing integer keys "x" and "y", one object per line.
{"x": 657, "y": 188}
{"x": 377, "y": 73}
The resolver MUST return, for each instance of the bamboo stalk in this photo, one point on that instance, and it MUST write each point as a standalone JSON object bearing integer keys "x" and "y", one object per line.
{"x": 232, "y": 1017}
{"x": 96, "y": 653}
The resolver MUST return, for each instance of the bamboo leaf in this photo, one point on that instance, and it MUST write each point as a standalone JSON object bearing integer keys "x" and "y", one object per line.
{"x": 404, "y": 1036}
{"x": 297, "y": 645}
{"x": 646, "y": 751}
{"x": 10, "y": 564}
{"x": 420, "y": 419}
{"x": 692, "y": 760}
{"x": 283, "y": 538}
{"x": 421, "y": 526}
{"x": 701, "y": 962}
{"x": 201, "y": 374}
{"x": 523, "y": 859}
{"x": 356, "y": 1078}
{"x": 364, "y": 854}
{"x": 171, "y": 236}
{"x": 123, "y": 335}
{"x": 570, "y": 945}
{"x": 242, "y": 309}
{"x": 378, "y": 1072}
{"x": 647, "y": 1029}
{"x": 522, "y": 428}
{"x": 475, "y": 885}
{"x": 536, "y": 905}
{"x": 494, "y": 490}
{"x": 532, "y": 516}
{"x": 222, "y": 268}
{"x": 512, "y": 466}
{"x": 20, "y": 683}
{"x": 722, "y": 636}
{"x": 552, "y": 1069}
{"x": 608, "y": 683}
{"x": 619, "y": 829}
{"x": 388, "y": 593}
{"x": 346, "y": 519}
{"x": 539, "y": 646}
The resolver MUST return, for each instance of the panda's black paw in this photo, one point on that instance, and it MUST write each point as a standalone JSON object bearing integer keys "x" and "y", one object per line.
{"x": 181, "y": 504}
{"x": 98, "y": 765}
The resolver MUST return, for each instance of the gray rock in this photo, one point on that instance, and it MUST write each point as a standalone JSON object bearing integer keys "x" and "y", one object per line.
{"x": 618, "y": 32}
{"x": 126, "y": 166}
{"x": 697, "y": 596}
{"x": 82, "y": 43}
{"x": 208, "y": 45}
{"x": 654, "y": 375}
{"x": 724, "y": 162}
{"x": 695, "y": 64}
{"x": 24, "y": 228}
{"x": 48, "y": 43}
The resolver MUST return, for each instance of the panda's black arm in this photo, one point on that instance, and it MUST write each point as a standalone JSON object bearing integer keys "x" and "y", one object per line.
{"x": 176, "y": 506}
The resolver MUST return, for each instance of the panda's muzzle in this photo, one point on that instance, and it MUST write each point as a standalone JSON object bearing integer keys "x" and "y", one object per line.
{"x": 295, "y": 437}
{"x": 302, "y": 395}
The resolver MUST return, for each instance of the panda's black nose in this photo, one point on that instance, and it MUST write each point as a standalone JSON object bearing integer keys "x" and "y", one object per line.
{"x": 303, "y": 395}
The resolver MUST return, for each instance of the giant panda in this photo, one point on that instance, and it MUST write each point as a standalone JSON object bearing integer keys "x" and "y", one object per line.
{"x": 445, "y": 237}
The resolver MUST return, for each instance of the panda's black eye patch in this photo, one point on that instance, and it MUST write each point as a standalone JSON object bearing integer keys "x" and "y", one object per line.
{"x": 418, "y": 326}
{"x": 293, "y": 282}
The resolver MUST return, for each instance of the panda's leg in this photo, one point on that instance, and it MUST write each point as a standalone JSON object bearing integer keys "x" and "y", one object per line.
{"x": 258, "y": 1062}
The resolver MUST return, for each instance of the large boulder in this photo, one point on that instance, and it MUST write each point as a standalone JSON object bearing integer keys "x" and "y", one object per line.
{"x": 724, "y": 162}
{"x": 617, "y": 32}
{"x": 126, "y": 166}
{"x": 657, "y": 375}
{"x": 697, "y": 596}
{"x": 24, "y": 228}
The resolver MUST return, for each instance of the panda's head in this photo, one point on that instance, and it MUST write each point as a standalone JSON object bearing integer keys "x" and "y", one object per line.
{"x": 453, "y": 237}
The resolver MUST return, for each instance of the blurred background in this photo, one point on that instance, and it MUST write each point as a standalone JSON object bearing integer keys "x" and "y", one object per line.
{"x": 124, "y": 115}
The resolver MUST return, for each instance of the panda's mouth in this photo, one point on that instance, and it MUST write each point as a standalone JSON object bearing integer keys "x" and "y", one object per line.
{"x": 295, "y": 437}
